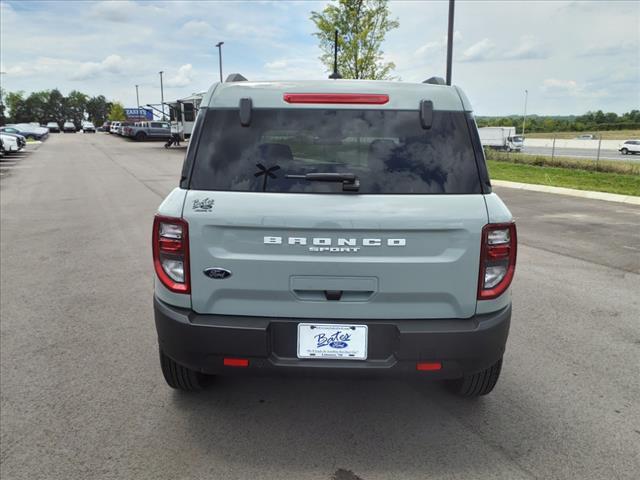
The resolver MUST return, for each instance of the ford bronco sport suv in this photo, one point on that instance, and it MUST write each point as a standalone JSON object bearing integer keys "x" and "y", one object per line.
{"x": 334, "y": 227}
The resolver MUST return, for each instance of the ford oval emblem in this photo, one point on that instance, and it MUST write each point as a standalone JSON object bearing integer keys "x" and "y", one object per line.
{"x": 217, "y": 273}
{"x": 338, "y": 344}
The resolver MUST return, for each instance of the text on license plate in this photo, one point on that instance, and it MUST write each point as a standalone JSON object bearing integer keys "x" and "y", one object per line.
{"x": 345, "y": 342}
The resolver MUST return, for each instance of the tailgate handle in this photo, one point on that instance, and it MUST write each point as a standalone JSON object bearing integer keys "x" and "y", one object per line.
{"x": 333, "y": 295}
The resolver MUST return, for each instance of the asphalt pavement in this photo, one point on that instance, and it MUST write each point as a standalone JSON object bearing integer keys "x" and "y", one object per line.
{"x": 82, "y": 396}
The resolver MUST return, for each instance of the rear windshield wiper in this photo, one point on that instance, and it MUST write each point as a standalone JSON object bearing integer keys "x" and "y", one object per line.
{"x": 350, "y": 183}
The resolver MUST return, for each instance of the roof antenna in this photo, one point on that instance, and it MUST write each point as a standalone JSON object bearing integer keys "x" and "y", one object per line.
{"x": 335, "y": 75}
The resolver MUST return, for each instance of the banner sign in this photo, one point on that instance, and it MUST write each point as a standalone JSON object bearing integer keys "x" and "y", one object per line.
{"x": 138, "y": 114}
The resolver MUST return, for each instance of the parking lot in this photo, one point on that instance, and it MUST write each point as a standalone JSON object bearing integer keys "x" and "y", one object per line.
{"x": 83, "y": 397}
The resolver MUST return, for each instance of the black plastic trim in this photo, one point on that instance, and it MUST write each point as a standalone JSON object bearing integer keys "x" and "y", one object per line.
{"x": 481, "y": 163}
{"x": 200, "y": 342}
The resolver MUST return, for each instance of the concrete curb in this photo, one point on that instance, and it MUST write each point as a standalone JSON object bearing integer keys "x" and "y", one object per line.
{"x": 608, "y": 197}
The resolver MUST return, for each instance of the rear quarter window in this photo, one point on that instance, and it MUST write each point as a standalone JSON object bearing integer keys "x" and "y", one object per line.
{"x": 387, "y": 150}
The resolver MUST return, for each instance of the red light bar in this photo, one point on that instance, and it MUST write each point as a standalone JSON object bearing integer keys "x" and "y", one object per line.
{"x": 341, "y": 98}
{"x": 428, "y": 366}
{"x": 236, "y": 362}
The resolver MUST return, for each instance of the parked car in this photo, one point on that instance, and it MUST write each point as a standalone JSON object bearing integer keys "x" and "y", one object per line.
{"x": 88, "y": 127}
{"x": 629, "y": 147}
{"x": 21, "y": 139}
{"x": 115, "y": 127}
{"x": 150, "y": 130}
{"x": 106, "y": 127}
{"x": 10, "y": 143}
{"x": 585, "y": 137}
{"x": 53, "y": 127}
{"x": 69, "y": 127}
{"x": 123, "y": 127}
{"x": 341, "y": 227}
{"x": 28, "y": 131}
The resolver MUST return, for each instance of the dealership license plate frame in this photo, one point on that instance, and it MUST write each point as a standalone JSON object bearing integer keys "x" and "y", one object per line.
{"x": 357, "y": 344}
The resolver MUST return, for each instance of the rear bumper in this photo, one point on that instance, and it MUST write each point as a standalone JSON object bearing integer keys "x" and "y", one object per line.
{"x": 201, "y": 342}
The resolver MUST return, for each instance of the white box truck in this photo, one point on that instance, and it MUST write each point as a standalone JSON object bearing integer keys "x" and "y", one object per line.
{"x": 501, "y": 138}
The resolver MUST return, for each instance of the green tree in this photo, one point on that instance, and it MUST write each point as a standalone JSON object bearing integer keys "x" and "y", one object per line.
{"x": 74, "y": 106}
{"x": 36, "y": 106}
{"x": 17, "y": 106}
{"x": 362, "y": 26}
{"x": 116, "y": 113}
{"x": 55, "y": 107}
{"x": 98, "y": 109}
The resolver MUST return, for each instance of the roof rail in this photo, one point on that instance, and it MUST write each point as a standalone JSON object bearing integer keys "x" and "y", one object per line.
{"x": 235, "y": 77}
{"x": 435, "y": 81}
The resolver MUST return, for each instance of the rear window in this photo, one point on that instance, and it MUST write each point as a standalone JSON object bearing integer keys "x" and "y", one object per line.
{"x": 387, "y": 150}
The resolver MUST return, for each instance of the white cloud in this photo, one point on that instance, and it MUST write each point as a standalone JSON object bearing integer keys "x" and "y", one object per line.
{"x": 612, "y": 49}
{"x": 197, "y": 28}
{"x": 436, "y": 46}
{"x": 183, "y": 78}
{"x": 113, "y": 64}
{"x": 112, "y": 11}
{"x": 528, "y": 48}
{"x": 482, "y": 50}
{"x": 558, "y": 87}
{"x": 276, "y": 65}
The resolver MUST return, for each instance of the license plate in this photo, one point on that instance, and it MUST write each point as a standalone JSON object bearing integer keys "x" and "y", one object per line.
{"x": 344, "y": 342}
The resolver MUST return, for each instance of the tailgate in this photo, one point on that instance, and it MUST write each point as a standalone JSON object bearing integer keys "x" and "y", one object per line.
{"x": 335, "y": 256}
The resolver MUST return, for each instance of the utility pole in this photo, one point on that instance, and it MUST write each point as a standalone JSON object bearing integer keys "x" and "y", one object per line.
{"x": 1, "y": 104}
{"x": 524, "y": 117}
{"x": 219, "y": 45}
{"x": 138, "y": 99}
{"x": 450, "y": 41}
{"x": 162, "y": 95}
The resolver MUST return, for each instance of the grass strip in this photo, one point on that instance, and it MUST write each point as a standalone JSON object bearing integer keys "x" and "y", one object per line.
{"x": 620, "y": 183}
{"x": 629, "y": 167}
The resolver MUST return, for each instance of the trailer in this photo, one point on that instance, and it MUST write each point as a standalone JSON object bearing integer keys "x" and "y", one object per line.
{"x": 501, "y": 138}
{"x": 183, "y": 113}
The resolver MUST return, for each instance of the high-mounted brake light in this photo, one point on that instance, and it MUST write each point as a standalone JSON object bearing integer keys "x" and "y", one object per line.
{"x": 497, "y": 259}
{"x": 338, "y": 98}
{"x": 171, "y": 253}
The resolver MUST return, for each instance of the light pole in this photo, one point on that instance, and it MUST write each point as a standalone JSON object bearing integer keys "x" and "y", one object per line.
{"x": 524, "y": 117}
{"x": 162, "y": 95}
{"x": 1, "y": 104}
{"x": 450, "y": 41}
{"x": 138, "y": 99}
{"x": 219, "y": 45}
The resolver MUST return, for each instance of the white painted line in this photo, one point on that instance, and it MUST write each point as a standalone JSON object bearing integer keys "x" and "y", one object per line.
{"x": 608, "y": 197}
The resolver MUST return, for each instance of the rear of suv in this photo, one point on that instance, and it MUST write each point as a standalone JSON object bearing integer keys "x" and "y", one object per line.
{"x": 334, "y": 227}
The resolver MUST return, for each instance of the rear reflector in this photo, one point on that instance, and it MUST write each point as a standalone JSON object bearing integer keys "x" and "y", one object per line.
{"x": 236, "y": 362}
{"x": 339, "y": 98}
{"x": 428, "y": 366}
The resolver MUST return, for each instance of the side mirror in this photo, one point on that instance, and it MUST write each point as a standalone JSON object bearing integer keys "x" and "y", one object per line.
{"x": 426, "y": 114}
{"x": 245, "y": 111}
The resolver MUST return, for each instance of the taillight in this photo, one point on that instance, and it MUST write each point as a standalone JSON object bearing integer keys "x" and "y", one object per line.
{"x": 497, "y": 259}
{"x": 171, "y": 253}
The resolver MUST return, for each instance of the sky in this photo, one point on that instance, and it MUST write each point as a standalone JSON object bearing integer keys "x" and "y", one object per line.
{"x": 570, "y": 56}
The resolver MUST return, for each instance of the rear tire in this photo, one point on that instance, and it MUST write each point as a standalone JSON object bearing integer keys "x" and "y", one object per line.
{"x": 477, "y": 384}
{"x": 141, "y": 136}
{"x": 182, "y": 378}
